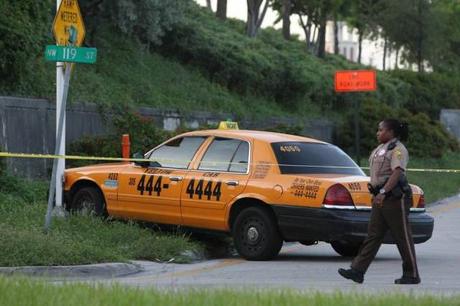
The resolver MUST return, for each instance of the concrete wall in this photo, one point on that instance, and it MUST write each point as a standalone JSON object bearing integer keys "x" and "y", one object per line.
{"x": 28, "y": 126}
{"x": 450, "y": 118}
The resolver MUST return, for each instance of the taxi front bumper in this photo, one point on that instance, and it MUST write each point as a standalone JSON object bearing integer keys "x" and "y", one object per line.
{"x": 326, "y": 224}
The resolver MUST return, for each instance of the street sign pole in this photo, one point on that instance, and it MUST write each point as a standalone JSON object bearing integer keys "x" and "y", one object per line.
{"x": 69, "y": 33}
{"x": 348, "y": 81}
{"x": 60, "y": 132}
{"x": 55, "y": 178}
{"x": 357, "y": 103}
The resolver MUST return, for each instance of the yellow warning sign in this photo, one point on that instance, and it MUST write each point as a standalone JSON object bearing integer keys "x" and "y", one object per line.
{"x": 68, "y": 26}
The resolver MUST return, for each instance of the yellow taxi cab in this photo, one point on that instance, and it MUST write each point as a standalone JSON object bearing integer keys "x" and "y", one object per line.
{"x": 263, "y": 188}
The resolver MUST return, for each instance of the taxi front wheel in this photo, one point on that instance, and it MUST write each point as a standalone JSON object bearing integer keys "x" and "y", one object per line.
{"x": 89, "y": 201}
{"x": 255, "y": 234}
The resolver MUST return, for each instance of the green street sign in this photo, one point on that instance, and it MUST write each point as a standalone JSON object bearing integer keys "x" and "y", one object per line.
{"x": 70, "y": 54}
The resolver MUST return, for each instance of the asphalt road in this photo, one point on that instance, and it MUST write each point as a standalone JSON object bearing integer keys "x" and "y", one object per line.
{"x": 315, "y": 267}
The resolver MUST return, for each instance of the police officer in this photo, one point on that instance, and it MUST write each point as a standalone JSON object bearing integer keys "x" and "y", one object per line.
{"x": 391, "y": 202}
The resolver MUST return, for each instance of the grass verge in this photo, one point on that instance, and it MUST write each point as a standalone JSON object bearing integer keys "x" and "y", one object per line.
{"x": 31, "y": 292}
{"x": 77, "y": 239}
{"x": 436, "y": 186}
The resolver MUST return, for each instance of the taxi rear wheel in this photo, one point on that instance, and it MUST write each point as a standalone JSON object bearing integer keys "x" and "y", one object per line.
{"x": 255, "y": 234}
{"x": 89, "y": 201}
{"x": 346, "y": 248}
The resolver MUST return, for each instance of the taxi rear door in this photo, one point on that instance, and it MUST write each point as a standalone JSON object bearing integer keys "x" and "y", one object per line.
{"x": 219, "y": 176}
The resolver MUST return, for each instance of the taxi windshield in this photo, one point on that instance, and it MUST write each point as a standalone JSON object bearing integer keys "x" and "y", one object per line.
{"x": 309, "y": 158}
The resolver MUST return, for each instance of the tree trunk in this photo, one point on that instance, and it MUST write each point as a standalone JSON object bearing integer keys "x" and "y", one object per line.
{"x": 360, "y": 44}
{"x": 208, "y": 5}
{"x": 286, "y": 19}
{"x": 254, "y": 21}
{"x": 314, "y": 40}
{"x": 322, "y": 38}
{"x": 419, "y": 37}
{"x": 306, "y": 27}
{"x": 397, "y": 58}
{"x": 336, "y": 35}
{"x": 221, "y": 11}
{"x": 385, "y": 40}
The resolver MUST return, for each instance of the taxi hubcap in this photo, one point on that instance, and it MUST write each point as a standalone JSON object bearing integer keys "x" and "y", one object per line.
{"x": 253, "y": 234}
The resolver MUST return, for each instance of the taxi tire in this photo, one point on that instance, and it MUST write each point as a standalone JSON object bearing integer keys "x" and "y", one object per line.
{"x": 346, "y": 248}
{"x": 90, "y": 194}
{"x": 268, "y": 242}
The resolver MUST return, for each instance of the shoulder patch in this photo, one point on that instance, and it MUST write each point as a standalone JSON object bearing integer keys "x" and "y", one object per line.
{"x": 398, "y": 154}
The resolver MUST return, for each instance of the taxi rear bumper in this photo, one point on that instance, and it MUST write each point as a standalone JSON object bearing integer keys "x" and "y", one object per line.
{"x": 326, "y": 224}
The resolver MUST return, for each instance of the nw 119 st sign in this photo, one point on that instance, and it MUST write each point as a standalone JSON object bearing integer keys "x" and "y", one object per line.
{"x": 71, "y": 54}
{"x": 68, "y": 26}
{"x": 355, "y": 80}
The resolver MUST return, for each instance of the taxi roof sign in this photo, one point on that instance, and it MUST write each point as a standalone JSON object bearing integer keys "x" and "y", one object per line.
{"x": 68, "y": 26}
{"x": 228, "y": 125}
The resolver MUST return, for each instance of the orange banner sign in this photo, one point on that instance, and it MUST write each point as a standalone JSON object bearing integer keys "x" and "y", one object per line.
{"x": 355, "y": 80}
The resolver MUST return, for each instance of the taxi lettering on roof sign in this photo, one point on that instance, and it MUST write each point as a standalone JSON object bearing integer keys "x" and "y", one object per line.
{"x": 228, "y": 125}
{"x": 261, "y": 188}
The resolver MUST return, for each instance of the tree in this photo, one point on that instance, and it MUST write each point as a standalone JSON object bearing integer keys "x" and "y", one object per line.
{"x": 287, "y": 19}
{"x": 208, "y": 5}
{"x": 221, "y": 11}
{"x": 412, "y": 26}
{"x": 255, "y": 16}
{"x": 363, "y": 18}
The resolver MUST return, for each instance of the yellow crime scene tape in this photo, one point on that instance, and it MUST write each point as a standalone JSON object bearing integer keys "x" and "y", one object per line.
{"x": 121, "y": 159}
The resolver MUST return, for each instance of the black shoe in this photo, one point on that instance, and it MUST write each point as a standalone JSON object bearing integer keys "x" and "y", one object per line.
{"x": 405, "y": 280}
{"x": 354, "y": 275}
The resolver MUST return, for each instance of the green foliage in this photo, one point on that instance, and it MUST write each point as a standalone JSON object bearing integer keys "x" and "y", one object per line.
{"x": 436, "y": 186}
{"x": 77, "y": 239}
{"x": 28, "y": 291}
{"x": 144, "y": 135}
{"x": 242, "y": 64}
{"x": 146, "y": 20}
{"x": 24, "y": 31}
{"x": 428, "y": 92}
{"x": 427, "y": 138}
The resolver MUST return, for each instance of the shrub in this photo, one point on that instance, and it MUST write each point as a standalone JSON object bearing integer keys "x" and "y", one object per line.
{"x": 429, "y": 92}
{"x": 427, "y": 137}
{"x": 143, "y": 133}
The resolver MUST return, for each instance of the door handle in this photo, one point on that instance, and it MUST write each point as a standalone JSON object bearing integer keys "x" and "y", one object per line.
{"x": 232, "y": 183}
{"x": 176, "y": 178}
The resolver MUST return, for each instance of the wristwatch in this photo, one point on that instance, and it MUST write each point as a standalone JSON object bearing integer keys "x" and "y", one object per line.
{"x": 382, "y": 191}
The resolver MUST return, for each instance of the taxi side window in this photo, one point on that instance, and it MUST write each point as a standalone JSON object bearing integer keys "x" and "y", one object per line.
{"x": 177, "y": 153}
{"x": 239, "y": 162}
{"x": 226, "y": 155}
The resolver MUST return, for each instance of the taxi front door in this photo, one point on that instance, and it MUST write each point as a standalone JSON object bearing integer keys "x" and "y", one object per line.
{"x": 151, "y": 194}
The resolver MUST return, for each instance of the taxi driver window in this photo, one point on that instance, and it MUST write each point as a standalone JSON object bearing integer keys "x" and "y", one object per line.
{"x": 308, "y": 158}
{"x": 222, "y": 153}
{"x": 177, "y": 153}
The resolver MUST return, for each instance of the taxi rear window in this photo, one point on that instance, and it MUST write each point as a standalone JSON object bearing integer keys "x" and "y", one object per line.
{"x": 309, "y": 158}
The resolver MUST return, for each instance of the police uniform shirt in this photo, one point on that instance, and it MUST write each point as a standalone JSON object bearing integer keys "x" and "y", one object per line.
{"x": 383, "y": 161}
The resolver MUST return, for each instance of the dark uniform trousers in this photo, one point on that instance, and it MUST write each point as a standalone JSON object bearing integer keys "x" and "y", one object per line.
{"x": 393, "y": 216}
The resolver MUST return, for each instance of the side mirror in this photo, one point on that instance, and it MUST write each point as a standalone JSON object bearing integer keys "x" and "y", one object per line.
{"x": 143, "y": 164}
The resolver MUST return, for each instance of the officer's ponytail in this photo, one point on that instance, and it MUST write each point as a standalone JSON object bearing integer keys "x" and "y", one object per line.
{"x": 400, "y": 129}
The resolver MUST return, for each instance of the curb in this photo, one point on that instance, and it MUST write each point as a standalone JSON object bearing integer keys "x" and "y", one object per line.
{"x": 103, "y": 270}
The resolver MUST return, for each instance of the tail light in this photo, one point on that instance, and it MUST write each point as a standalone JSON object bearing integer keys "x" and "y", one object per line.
{"x": 421, "y": 201}
{"x": 338, "y": 195}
